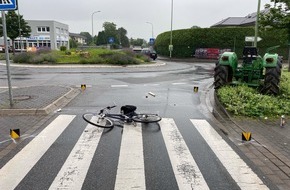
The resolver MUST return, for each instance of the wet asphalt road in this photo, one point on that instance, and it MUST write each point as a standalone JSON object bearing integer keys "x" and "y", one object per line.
{"x": 172, "y": 84}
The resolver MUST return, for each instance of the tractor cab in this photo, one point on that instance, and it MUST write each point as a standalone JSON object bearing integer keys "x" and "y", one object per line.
{"x": 249, "y": 54}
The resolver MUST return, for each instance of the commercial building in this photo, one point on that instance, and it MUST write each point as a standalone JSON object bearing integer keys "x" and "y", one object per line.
{"x": 44, "y": 34}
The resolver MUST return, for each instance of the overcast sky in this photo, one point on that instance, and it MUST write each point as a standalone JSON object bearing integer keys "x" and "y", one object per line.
{"x": 133, "y": 14}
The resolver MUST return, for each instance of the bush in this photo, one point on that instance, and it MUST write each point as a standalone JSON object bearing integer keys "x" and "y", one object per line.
{"x": 120, "y": 59}
{"x": 22, "y": 57}
{"x": 247, "y": 101}
{"x": 30, "y": 57}
{"x": 186, "y": 41}
{"x": 62, "y": 48}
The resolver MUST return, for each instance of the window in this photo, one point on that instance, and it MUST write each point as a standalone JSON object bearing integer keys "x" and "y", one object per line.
{"x": 43, "y": 29}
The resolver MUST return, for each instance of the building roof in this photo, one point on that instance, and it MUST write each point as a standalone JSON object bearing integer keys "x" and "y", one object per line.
{"x": 77, "y": 35}
{"x": 248, "y": 20}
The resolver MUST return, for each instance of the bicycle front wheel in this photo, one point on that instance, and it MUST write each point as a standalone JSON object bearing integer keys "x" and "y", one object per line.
{"x": 146, "y": 118}
{"x": 98, "y": 120}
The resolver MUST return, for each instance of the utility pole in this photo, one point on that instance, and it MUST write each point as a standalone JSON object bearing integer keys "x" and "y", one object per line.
{"x": 7, "y": 57}
{"x": 257, "y": 24}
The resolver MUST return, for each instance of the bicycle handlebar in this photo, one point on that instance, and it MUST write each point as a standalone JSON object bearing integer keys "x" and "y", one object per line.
{"x": 110, "y": 107}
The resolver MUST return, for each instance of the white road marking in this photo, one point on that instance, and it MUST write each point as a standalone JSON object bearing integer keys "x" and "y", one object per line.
{"x": 238, "y": 169}
{"x": 15, "y": 170}
{"x": 179, "y": 83}
{"x": 151, "y": 84}
{"x": 131, "y": 172}
{"x": 75, "y": 168}
{"x": 119, "y": 86}
{"x": 187, "y": 173}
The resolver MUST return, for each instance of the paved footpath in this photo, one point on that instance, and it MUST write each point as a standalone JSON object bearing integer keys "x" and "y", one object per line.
{"x": 32, "y": 107}
{"x": 269, "y": 148}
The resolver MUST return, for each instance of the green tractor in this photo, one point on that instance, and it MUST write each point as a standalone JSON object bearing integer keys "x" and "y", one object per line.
{"x": 256, "y": 71}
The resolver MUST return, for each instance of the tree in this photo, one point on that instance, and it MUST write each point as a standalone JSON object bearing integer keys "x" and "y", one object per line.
{"x": 72, "y": 44}
{"x": 88, "y": 36}
{"x": 124, "y": 40}
{"x": 101, "y": 40}
{"x": 12, "y": 25}
{"x": 278, "y": 17}
{"x": 137, "y": 42}
{"x": 194, "y": 27}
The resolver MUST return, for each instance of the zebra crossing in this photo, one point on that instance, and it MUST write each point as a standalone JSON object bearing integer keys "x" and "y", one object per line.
{"x": 131, "y": 166}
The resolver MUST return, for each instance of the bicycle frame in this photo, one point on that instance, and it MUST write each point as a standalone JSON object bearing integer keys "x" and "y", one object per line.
{"x": 123, "y": 117}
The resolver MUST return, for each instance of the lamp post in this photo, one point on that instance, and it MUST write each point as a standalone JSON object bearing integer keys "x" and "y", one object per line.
{"x": 19, "y": 28}
{"x": 151, "y": 27}
{"x": 93, "y": 22}
{"x": 257, "y": 24}
{"x": 171, "y": 46}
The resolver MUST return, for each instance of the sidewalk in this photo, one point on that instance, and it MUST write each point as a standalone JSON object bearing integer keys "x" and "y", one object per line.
{"x": 32, "y": 107}
{"x": 269, "y": 148}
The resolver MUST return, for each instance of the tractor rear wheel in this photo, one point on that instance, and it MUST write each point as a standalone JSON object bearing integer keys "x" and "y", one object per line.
{"x": 221, "y": 76}
{"x": 272, "y": 80}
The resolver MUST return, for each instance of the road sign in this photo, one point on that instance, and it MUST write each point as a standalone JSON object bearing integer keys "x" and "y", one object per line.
{"x": 7, "y": 5}
{"x": 151, "y": 41}
{"x": 111, "y": 40}
{"x": 252, "y": 39}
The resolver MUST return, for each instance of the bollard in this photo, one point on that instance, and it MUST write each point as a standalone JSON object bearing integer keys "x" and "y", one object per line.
{"x": 283, "y": 121}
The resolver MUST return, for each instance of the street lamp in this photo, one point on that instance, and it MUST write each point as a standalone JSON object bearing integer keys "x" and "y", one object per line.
{"x": 93, "y": 22}
{"x": 171, "y": 46}
{"x": 151, "y": 27}
{"x": 257, "y": 24}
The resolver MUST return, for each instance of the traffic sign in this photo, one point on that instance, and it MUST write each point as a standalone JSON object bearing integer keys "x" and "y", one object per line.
{"x": 252, "y": 39}
{"x": 8, "y": 5}
{"x": 151, "y": 41}
{"x": 111, "y": 40}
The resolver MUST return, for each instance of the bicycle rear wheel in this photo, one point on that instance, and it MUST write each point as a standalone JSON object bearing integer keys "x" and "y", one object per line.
{"x": 98, "y": 120}
{"x": 146, "y": 118}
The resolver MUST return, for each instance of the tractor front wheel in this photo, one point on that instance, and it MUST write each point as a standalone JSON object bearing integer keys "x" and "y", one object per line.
{"x": 272, "y": 80}
{"x": 221, "y": 76}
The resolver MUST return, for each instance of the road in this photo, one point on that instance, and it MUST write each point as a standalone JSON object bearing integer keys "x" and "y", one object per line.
{"x": 183, "y": 152}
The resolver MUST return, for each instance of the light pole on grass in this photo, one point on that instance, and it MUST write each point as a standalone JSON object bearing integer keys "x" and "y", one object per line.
{"x": 171, "y": 46}
{"x": 93, "y": 22}
{"x": 151, "y": 28}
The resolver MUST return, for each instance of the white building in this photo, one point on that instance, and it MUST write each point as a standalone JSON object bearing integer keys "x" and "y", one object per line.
{"x": 44, "y": 33}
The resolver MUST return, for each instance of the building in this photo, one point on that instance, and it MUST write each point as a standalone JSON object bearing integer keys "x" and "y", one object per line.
{"x": 44, "y": 33}
{"x": 80, "y": 39}
{"x": 249, "y": 20}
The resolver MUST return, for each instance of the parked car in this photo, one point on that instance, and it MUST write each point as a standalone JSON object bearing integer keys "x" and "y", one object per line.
{"x": 151, "y": 53}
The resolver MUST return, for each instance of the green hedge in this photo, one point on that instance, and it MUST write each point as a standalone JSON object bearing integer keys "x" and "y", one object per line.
{"x": 186, "y": 41}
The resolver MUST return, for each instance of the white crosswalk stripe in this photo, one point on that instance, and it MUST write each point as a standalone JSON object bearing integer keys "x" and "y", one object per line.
{"x": 130, "y": 166}
{"x": 186, "y": 171}
{"x": 11, "y": 174}
{"x": 74, "y": 170}
{"x": 238, "y": 169}
{"x": 130, "y": 172}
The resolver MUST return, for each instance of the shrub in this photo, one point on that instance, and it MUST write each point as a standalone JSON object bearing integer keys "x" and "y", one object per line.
{"x": 24, "y": 57}
{"x": 62, "y": 48}
{"x": 247, "y": 101}
{"x": 186, "y": 41}
{"x": 120, "y": 59}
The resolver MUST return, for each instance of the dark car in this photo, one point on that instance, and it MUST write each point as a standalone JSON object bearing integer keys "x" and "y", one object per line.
{"x": 151, "y": 53}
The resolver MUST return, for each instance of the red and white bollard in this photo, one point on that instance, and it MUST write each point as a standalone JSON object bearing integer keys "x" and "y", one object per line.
{"x": 283, "y": 121}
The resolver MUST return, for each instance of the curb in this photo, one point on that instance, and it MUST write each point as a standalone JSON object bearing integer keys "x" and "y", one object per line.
{"x": 60, "y": 102}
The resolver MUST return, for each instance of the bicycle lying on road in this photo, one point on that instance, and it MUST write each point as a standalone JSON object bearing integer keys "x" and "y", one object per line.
{"x": 104, "y": 119}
